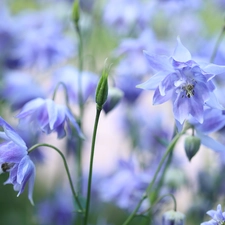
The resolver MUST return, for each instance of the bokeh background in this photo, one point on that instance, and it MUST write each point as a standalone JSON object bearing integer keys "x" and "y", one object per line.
{"x": 39, "y": 46}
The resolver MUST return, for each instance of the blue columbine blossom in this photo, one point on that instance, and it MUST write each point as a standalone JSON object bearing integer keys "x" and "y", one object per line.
{"x": 15, "y": 160}
{"x": 46, "y": 115}
{"x": 182, "y": 80}
{"x": 218, "y": 217}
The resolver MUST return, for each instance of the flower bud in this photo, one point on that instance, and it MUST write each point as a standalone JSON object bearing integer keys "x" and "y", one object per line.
{"x": 114, "y": 96}
{"x": 76, "y": 12}
{"x": 102, "y": 90}
{"x": 191, "y": 146}
{"x": 173, "y": 218}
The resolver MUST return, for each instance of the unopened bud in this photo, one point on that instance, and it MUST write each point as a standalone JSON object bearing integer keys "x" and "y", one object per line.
{"x": 102, "y": 90}
{"x": 191, "y": 146}
{"x": 173, "y": 218}
{"x": 76, "y": 12}
{"x": 114, "y": 96}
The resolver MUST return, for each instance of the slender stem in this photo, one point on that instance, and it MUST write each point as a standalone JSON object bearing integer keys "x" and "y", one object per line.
{"x": 219, "y": 40}
{"x": 80, "y": 102}
{"x": 67, "y": 171}
{"x": 149, "y": 188}
{"x": 98, "y": 111}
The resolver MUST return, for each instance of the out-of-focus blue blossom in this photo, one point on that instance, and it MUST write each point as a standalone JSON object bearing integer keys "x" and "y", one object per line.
{"x": 127, "y": 84}
{"x": 126, "y": 186}
{"x": 69, "y": 76}
{"x": 182, "y": 80}
{"x": 15, "y": 160}
{"x": 7, "y": 33}
{"x": 125, "y": 15}
{"x": 41, "y": 42}
{"x": 133, "y": 61}
{"x": 114, "y": 97}
{"x": 46, "y": 115}
{"x": 56, "y": 210}
{"x": 218, "y": 217}
{"x": 18, "y": 88}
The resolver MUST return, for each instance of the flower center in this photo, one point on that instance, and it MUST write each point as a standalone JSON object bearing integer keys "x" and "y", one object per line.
{"x": 7, "y": 166}
{"x": 189, "y": 90}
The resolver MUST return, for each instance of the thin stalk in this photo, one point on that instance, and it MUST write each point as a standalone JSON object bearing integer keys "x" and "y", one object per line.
{"x": 219, "y": 40}
{"x": 98, "y": 111}
{"x": 149, "y": 188}
{"x": 67, "y": 171}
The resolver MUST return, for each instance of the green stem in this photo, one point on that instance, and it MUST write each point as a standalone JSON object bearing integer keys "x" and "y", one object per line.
{"x": 98, "y": 111}
{"x": 80, "y": 102}
{"x": 67, "y": 171}
{"x": 219, "y": 40}
{"x": 149, "y": 188}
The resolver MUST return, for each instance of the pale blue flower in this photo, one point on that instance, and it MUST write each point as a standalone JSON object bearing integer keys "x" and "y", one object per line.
{"x": 15, "y": 160}
{"x": 47, "y": 116}
{"x": 182, "y": 80}
{"x": 218, "y": 217}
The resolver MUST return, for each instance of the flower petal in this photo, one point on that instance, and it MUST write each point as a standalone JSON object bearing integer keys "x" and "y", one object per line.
{"x": 181, "y": 54}
{"x": 159, "y": 63}
{"x": 214, "y": 69}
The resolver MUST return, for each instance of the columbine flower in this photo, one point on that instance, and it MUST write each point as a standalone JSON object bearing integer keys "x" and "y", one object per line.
{"x": 48, "y": 116}
{"x": 15, "y": 160}
{"x": 182, "y": 80}
{"x": 218, "y": 217}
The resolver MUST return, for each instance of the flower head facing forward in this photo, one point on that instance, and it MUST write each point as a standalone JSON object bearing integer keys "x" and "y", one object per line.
{"x": 15, "y": 160}
{"x": 48, "y": 116}
{"x": 182, "y": 80}
{"x": 218, "y": 217}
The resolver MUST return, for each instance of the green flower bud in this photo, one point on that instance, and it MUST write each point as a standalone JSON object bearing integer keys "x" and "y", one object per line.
{"x": 173, "y": 218}
{"x": 191, "y": 146}
{"x": 76, "y": 11}
{"x": 102, "y": 90}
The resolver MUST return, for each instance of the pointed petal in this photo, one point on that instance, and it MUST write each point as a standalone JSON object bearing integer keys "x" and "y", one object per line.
{"x": 11, "y": 134}
{"x": 181, "y": 54}
{"x": 30, "y": 107}
{"x": 210, "y": 142}
{"x": 159, "y": 62}
{"x": 11, "y": 153}
{"x": 159, "y": 99}
{"x": 52, "y": 112}
{"x": 214, "y": 69}
{"x": 153, "y": 82}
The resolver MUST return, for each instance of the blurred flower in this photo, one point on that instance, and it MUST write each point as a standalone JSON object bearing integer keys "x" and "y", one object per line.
{"x": 125, "y": 15}
{"x": 41, "y": 42}
{"x": 182, "y": 80}
{"x": 18, "y": 88}
{"x": 56, "y": 210}
{"x": 173, "y": 218}
{"x": 69, "y": 76}
{"x": 46, "y": 115}
{"x": 218, "y": 217}
{"x": 15, "y": 160}
{"x": 128, "y": 185}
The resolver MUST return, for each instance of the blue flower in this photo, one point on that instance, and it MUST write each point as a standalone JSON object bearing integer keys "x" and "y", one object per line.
{"x": 182, "y": 80}
{"x": 48, "y": 116}
{"x": 15, "y": 160}
{"x": 218, "y": 217}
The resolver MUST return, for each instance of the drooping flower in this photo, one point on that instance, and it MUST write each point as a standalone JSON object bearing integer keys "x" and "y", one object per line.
{"x": 46, "y": 115}
{"x": 182, "y": 80}
{"x": 218, "y": 217}
{"x": 15, "y": 160}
